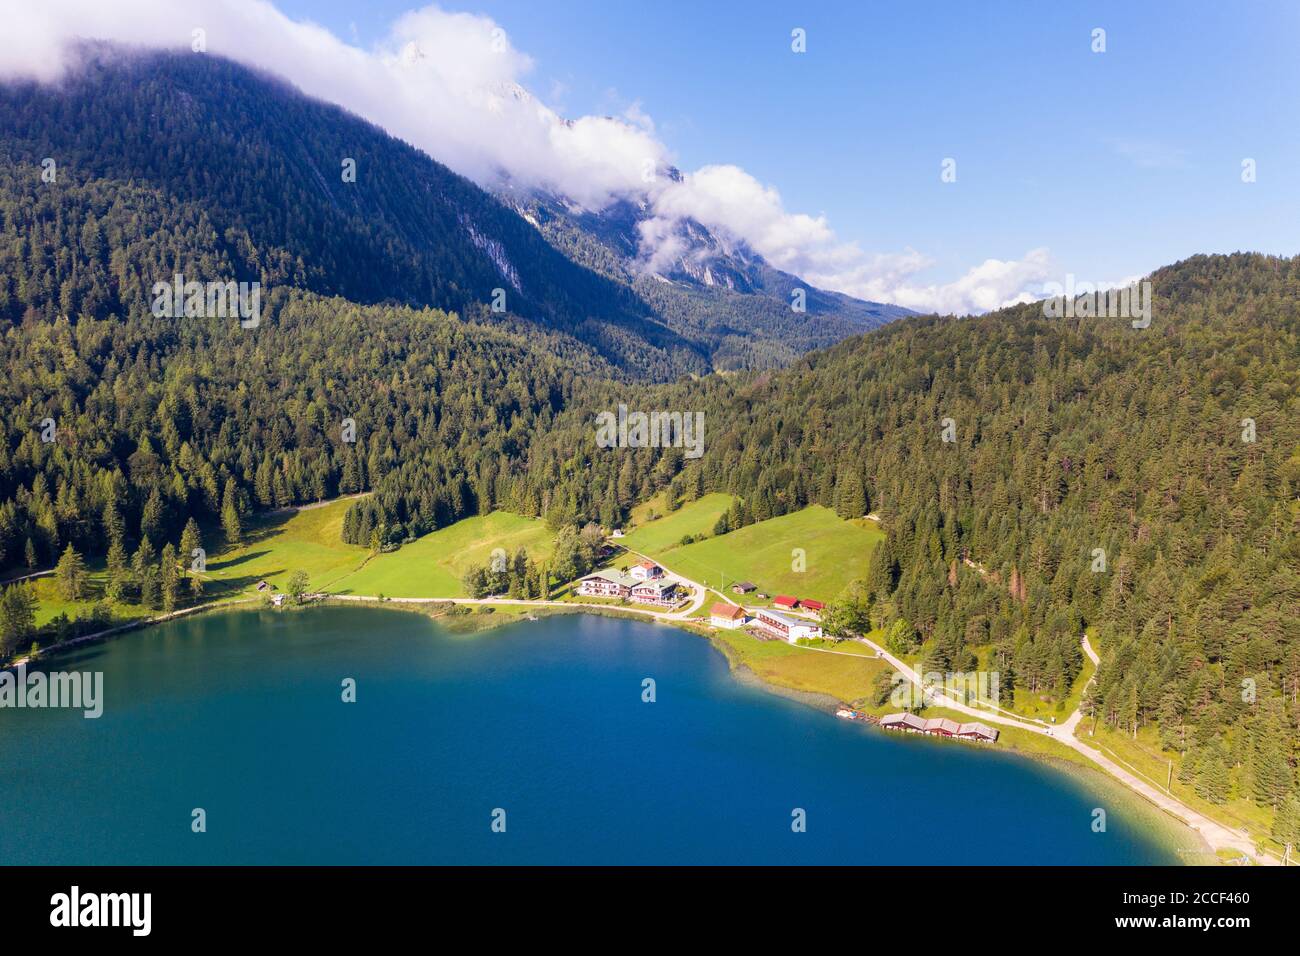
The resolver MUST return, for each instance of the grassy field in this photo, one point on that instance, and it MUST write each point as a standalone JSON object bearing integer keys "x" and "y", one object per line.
{"x": 278, "y": 544}
{"x": 695, "y": 518}
{"x": 51, "y": 604}
{"x": 836, "y": 553}
{"x": 433, "y": 565}
{"x": 711, "y": 598}
{"x": 275, "y": 545}
{"x": 846, "y": 677}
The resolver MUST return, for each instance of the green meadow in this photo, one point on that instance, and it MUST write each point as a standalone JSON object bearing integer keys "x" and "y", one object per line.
{"x": 432, "y": 566}
{"x": 835, "y": 553}
{"x": 844, "y": 676}
{"x": 694, "y": 518}
{"x": 277, "y": 544}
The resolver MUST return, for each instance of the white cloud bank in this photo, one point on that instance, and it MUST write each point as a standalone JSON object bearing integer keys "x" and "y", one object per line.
{"x": 450, "y": 83}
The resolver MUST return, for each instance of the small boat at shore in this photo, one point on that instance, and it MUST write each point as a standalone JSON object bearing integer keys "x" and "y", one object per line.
{"x": 849, "y": 713}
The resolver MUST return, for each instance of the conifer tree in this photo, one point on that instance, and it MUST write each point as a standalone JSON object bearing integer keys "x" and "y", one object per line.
{"x": 230, "y": 523}
{"x": 70, "y": 574}
{"x": 169, "y": 577}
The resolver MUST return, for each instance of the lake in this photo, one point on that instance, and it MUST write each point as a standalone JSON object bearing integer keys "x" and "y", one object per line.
{"x": 241, "y": 714}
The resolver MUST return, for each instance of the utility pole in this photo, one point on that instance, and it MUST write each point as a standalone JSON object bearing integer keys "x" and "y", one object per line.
{"x": 1170, "y": 779}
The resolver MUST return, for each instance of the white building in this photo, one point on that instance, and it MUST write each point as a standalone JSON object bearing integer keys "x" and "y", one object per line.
{"x": 647, "y": 571}
{"x": 784, "y": 626}
{"x": 606, "y": 584}
{"x": 727, "y": 615}
{"x": 615, "y": 584}
{"x": 654, "y": 592}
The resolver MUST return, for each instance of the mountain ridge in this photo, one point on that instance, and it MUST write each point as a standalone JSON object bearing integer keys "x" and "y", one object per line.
{"x": 260, "y": 163}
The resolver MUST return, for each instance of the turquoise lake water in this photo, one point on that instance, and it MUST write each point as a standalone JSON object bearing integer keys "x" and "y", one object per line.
{"x": 241, "y": 714}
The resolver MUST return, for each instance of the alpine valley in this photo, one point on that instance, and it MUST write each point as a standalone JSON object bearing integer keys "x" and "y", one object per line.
{"x": 968, "y": 470}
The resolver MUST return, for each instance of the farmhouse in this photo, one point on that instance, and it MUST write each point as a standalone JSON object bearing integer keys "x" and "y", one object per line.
{"x": 663, "y": 593}
{"x": 785, "y": 602}
{"x": 647, "y": 571}
{"x": 787, "y": 628}
{"x": 743, "y": 587}
{"x": 615, "y": 584}
{"x": 727, "y": 615}
{"x": 606, "y": 584}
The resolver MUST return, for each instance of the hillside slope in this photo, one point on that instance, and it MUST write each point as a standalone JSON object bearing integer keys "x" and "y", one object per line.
{"x": 226, "y": 173}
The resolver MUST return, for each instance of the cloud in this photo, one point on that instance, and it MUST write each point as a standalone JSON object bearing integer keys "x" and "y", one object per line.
{"x": 453, "y": 84}
{"x": 737, "y": 207}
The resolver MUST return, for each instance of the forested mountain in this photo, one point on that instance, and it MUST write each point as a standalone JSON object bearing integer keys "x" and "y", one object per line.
{"x": 251, "y": 175}
{"x": 171, "y": 162}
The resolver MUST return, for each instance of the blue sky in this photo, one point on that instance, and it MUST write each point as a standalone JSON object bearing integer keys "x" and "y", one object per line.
{"x": 1118, "y": 162}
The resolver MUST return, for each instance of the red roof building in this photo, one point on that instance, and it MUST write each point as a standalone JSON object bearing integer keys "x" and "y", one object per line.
{"x": 904, "y": 721}
{"x": 942, "y": 726}
{"x": 785, "y": 601}
{"x": 977, "y": 731}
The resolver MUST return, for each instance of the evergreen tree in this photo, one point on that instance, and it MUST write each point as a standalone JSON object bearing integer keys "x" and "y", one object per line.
{"x": 17, "y": 617}
{"x": 144, "y": 569}
{"x": 190, "y": 541}
{"x": 71, "y": 576}
{"x": 230, "y": 514}
{"x": 118, "y": 584}
{"x": 169, "y": 577}
{"x": 151, "y": 519}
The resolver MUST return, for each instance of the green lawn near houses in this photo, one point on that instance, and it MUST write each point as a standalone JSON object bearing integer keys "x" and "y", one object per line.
{"x": 711, "y": 598}
{"x": 835, "y": 553}
{"x": 845, "y": 677}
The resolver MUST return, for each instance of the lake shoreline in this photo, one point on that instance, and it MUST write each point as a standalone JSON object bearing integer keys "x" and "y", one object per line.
{"x": 463, "y": 619}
